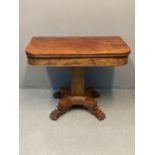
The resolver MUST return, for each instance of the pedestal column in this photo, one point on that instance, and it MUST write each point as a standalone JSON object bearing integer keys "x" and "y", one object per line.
{"x": 77, "y": 81}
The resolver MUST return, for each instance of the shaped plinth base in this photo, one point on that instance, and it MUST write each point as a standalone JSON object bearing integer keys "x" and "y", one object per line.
{"x": 67, "y": 101}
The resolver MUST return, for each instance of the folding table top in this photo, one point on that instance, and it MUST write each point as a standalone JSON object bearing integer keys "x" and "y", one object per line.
{"x": 76, "y": 47}
{"x": 77, "y": 51}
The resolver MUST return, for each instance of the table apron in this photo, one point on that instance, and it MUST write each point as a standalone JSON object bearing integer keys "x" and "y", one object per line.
{"x": 75, "y": 62}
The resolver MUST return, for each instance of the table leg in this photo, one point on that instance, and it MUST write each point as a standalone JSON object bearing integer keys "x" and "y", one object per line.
{"x": 77, "y": 95}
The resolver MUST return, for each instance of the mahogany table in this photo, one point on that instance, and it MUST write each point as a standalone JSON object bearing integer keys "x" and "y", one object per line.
{"x": 77, "y": 52}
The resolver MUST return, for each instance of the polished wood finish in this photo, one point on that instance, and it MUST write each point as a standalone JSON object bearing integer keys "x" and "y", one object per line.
{"x": 78, "y": 95}
{"x": 87, "y": 101}
{"x": 78, "y": 62}
{"x": 77, "y": 52}
{"x": 77, "y": 83}
{"x": 76, "y": 47}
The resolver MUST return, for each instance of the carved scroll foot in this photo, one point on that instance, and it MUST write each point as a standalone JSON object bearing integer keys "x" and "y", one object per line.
{"x": 91, "y": 105}
{"x": 63, "y": 105}
{"x": 58, "y": 95}
{"x": 55, "y": 114}
{"x": 61, "y": 93}
{"x": 92, "y": 93}
{"x": 99, "y": 113}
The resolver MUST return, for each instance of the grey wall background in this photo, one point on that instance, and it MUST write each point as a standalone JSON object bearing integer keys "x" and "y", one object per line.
{"x": 76, "y": 18}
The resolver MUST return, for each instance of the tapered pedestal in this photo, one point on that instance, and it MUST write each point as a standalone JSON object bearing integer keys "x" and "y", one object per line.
{"x": 77, "y": 95}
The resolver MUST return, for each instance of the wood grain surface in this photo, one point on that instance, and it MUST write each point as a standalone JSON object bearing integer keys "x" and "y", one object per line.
{"x": 77, "y": 52}
{"x": 77, "y": 82}
{"x": 76, "y": 47}
{"x": 76, "y": 62}
{"x": 77, "y": 95}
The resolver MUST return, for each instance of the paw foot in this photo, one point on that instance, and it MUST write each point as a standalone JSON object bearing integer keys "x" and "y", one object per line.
{"x": 95, "y": 94}
{"x": 99, "y": 114}
{"x": 55, "y": 114}
{"x": 58, "y": 95}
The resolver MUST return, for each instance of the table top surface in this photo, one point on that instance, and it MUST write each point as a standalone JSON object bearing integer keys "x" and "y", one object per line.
{"x": 61, "y": 47}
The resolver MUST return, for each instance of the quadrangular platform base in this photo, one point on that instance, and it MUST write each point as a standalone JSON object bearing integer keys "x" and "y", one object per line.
{"x": 67, "y": 101}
